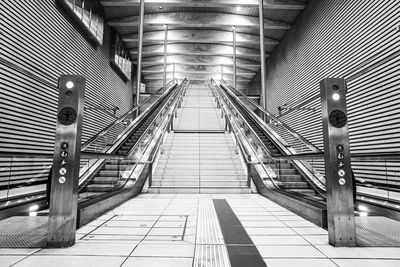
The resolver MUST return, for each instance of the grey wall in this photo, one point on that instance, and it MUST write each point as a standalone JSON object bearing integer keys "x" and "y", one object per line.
{"x": 356, "y": 40}
{"x": 38, "y": 43}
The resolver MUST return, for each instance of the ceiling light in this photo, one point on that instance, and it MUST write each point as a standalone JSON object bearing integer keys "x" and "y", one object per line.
{"x": 238, "y": 8}
{"x": 160, "y": 7}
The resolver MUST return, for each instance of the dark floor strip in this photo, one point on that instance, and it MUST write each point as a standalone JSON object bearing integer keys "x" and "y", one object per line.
{"x": 241, "y": 249}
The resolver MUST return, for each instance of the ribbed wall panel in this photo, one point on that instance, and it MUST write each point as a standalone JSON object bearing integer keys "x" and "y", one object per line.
{"x": 38, "y": 43}
{"x": 39, "y": 39}
{"x": 346, "y": 39}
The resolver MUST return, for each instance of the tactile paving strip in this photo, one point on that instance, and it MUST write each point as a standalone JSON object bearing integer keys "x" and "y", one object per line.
{"x": 210, "y": 245}
{"x": 23, "y": 232}
{"x": 376, "y": 231}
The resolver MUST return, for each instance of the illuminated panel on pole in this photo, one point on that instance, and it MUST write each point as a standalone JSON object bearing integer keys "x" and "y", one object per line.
{"x": 65, "y": 175}
{"x": 339, "y": 184}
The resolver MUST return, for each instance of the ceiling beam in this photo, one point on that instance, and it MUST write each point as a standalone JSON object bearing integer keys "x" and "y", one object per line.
{"x": 199, "y": 50}
{"x": 170, "y": 73}
{"x": 198, "y": 19}
{"x": 193, "y": 76}
{"x": 199, "y": 36}
{"x": 198, "y": 60}
{"x": 269, "y": 4}
{"x": 198, "y": 68}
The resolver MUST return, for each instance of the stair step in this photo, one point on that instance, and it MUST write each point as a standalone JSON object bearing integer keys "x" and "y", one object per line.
{"x": 105, "y": 180}
{"x": 291, "y": 178}
{"x": 201, "y": 190}
{"x": 101, "y": 188}
{"x": 293, "y": 185}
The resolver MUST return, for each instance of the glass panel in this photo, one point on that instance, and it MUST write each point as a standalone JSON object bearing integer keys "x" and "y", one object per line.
{"x": 121, "y": 57}
{"x": 90, "y": 13}
{"x": 23, "y": 179}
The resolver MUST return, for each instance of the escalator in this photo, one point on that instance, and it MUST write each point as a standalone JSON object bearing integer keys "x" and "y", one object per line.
{"x": 107, "y": 178}
{"x": 104, "y": 158}
{"x": 290, "y": 178}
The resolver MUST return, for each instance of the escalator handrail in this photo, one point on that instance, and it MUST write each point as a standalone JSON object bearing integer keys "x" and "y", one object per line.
{"x": 314, "y": 179}
{"x": 315, "y": 186}
{"x": 273, "y": 117}
{"x": 86, "y": 177}
{"x": 174, "y": 97}
{"x": 129, "y": 154}
{"x": 128, "y": 113}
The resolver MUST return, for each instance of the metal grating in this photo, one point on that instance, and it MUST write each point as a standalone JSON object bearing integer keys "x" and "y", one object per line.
{"x": 23, "y": 232}
{"x": 377, "y": 231}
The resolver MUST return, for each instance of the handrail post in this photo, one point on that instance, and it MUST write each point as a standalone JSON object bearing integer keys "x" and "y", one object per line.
{"x": 139, "y": 59}
{"x": 234, "y": 55}
{"x": 262, "y": 55}
{"x": 150, "y": 174}
{"x": 248, "y": 175}
{"x": 165, "y": 54}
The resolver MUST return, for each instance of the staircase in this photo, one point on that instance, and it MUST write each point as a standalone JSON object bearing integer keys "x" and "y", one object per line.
{"x": 199, "y": 163}
{"x": 199, "y": 157}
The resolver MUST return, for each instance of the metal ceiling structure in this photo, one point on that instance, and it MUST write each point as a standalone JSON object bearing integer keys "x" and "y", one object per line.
{"x": 195, "y": 38}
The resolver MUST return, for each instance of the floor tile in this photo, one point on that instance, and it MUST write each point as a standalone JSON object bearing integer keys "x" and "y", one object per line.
{"x": 6, "y": 261}
{"x": 278, "y": 240}
{"x": 360, "y": 252}
{"x": 92, "y": 248}
{"x": 269, "y": 231}
{"x": 17, "y": 251}
{"x": 68, "y": 261}
{"x": 310, "y": 230}
{"x": 158, "y": 262}
{"x": 367, "y": 262}
{"x": 289, "y": 252}
{"x": 300, "y": 224}
{"x": 135, "y": 224}
{"x": 300, "y": 263}
{"x": 120, "y": 231}
{"x": 166, "y": 231}
{"x": 317, "y": 239}
{"x": 157, "y": 250}
{"x": 263, "y": 224}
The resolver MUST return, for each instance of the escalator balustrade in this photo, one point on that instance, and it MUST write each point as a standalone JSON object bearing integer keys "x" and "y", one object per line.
{"x": 289, "y": 178}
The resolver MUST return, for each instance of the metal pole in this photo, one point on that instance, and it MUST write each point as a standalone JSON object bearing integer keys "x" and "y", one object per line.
{"x": 65, "y": 171}
{"x": 263, "y": 100}
{"x": 165, "y": 56}
{"x": 173, "y": 71}
{"x": 234, "y": 56}
{"x": 139, "y": 60}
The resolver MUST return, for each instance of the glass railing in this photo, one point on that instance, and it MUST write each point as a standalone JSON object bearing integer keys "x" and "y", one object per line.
{"x": 278, "y": 173}
{"x": 108, "y": 137}
{"x": 270, "y": 146}
{"x": 290, "y": 139}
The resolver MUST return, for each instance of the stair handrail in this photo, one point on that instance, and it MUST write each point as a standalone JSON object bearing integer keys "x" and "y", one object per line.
{"x": 101, "y": 133}
{"x": 273, "y": 117}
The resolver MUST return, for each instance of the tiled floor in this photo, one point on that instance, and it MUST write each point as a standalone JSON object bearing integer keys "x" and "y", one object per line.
{"x": 182, "y": 230}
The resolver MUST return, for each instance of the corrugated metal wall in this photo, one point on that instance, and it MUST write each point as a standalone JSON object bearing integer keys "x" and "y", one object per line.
{"x": 38, "y": 43}
{"x": 356, "y": 40}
